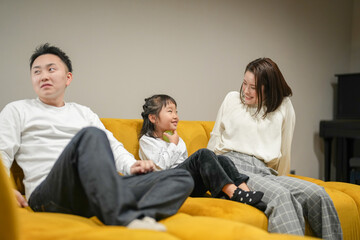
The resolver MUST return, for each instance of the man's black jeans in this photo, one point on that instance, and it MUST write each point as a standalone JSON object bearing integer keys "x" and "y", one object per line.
{"x": 84, "y": 182}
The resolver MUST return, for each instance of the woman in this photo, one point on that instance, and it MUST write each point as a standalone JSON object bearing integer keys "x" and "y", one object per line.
{"x": 254, "y": 128}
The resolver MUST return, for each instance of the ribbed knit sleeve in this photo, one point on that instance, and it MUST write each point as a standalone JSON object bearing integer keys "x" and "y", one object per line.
{"x": 10, "y": 130}
{"x": 287, "y": 132}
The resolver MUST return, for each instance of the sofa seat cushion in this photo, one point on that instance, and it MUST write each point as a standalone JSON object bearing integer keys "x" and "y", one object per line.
{"x": 346, "y": 199}
{"x": 44, "y": 226}
{"x": 348, "y": 216}
{"x": 225, "y": 209}
{"x": 9, "y": 222}
{"x": 189, "y": 227}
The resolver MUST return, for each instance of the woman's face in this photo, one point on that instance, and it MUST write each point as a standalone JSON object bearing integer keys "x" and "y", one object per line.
{"x": 249, "y": 89}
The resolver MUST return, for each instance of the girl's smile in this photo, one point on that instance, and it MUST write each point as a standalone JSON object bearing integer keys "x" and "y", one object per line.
{"x": 167, "y": 120}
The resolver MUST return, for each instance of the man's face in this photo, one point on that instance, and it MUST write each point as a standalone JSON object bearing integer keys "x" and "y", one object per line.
{"x": 50, "y": 77}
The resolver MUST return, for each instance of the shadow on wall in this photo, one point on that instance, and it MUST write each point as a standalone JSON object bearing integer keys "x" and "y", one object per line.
{"x": 335, "y": 97}
{"x": 319, "y": 142}
{"x": 319, "y": 153}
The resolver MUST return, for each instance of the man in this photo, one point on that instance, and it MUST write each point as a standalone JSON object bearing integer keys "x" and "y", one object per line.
{"x": 70, "y": 160}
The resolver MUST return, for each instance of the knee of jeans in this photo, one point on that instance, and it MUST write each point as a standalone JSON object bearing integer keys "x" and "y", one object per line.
{"x": 93, "y": 132}
{"x": 205, "y": 151}
{"x": 225, "y": 160}
{"x": 207, "y": 155}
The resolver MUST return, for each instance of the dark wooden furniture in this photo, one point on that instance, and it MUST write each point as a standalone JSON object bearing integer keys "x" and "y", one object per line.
{"x": 345, "y": 129}
{"x": 344, "y": 132}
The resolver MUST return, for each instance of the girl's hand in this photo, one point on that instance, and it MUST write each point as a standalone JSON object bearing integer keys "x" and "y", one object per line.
{"x": 174, "y": 138}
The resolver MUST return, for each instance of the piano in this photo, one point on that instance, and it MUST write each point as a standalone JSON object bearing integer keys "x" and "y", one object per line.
{"x": 344, "y": 130}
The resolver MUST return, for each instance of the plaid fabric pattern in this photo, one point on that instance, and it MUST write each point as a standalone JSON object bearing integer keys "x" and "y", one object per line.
{"x": 290, "y": 200}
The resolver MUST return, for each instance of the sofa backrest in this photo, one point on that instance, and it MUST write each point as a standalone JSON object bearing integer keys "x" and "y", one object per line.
{"x": 195, "y": 134}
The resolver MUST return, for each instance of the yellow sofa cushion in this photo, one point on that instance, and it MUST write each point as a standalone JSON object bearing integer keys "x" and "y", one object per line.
{"x": 184, "y": 226}
{"x": 221, "y": 208}
{"x": 346, "y": 199}
{"x": 199, "y": 218}
{"x": 45, "y": 226}
{"x": 194, "y": 133}
{"x": 21, "y": 223}
{"x": 9, "y": 225}
{"x": 126, "y": 131}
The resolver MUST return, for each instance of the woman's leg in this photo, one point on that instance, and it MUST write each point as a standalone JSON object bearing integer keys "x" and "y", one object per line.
{"x": 308, "y": 199}
{"x": 318, "y": 208}
{"x": 283, "y": 210}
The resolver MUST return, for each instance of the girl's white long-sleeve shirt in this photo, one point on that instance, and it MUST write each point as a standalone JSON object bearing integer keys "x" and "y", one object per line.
{"x": 164, "y": 154}
{"x": 35, "y": 134}
{"x": 237, "y": 128}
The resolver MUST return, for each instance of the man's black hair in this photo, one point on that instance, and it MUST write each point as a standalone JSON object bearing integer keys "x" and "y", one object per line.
{"x": 48, "y": 49}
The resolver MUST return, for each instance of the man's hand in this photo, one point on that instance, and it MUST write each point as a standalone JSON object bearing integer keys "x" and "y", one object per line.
{"x": 20, "y": 200}
{"x": 143, "y": 166}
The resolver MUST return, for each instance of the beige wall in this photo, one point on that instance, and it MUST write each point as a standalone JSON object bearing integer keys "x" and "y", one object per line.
{"x": 196, "y": 51}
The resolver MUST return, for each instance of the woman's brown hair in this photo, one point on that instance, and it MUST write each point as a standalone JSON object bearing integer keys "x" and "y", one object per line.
{"x": 269, "y": 78}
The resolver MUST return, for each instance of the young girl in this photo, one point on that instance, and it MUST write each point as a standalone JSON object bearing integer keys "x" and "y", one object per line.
{"x": 210, "y": 172}
{"x": 254, "y": 128}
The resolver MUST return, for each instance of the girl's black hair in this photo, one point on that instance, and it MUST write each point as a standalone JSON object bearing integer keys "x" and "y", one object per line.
{"x": 153, "y": 105}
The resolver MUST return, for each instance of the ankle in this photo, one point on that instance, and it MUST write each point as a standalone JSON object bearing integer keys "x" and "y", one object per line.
{"x": 229, "y": 189}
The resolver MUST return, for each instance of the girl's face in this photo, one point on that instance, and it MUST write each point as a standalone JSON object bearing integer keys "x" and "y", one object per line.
{"x": 168, "y": 119}
{"x": 249, "y": 89}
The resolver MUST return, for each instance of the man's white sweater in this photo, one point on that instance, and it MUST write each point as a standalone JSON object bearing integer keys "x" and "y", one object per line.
{"x": 35, "y": 134}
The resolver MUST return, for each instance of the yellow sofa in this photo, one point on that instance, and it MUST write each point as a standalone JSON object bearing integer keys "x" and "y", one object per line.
{"x": 198, "y": 218}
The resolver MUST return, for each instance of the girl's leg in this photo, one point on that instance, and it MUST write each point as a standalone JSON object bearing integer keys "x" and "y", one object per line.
{"x": 240, "y": 182}
{"x": 231, "y": 170}
{"x": 209, "y": 174}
